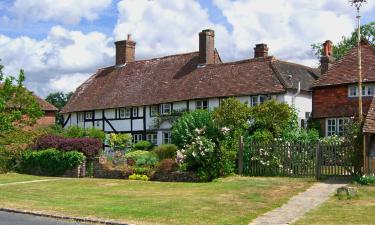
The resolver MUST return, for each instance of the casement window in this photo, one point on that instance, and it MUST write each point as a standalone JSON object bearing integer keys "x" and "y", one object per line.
{"x": 81, "y": 116}
{"x": 152, "y": 138}
{"x": 335, "y": 126}
{"x": 154, "y": 110}
{"x": 137, "y": 138}
{"x": 166, "y": 109}
{"x": 167, "y": 137}
{"x": 135, "y": 111}
{"x": 88, "y": 115}
{"x": 201, "y": 104}
{"x": 367, "y": 90}
{"x": 258, "y": 99}
{"x": 124, "y": 113}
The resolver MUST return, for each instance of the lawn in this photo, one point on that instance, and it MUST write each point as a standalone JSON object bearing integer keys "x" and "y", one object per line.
{"x": 232, "y": 200}
{"x": 14, "y": 177}
{"x": 355, "y": 211}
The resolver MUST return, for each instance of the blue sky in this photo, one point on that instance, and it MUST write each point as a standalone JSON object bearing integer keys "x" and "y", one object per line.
{"x": 60, "y": 43}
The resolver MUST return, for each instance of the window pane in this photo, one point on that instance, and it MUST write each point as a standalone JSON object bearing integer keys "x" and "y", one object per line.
{"x": 370, "y": 90}
{"x": 254, "y": 100}
{"x": 135, "y": 112}
{"x": 166, "y": 109}
{"x": 154, "y": 110}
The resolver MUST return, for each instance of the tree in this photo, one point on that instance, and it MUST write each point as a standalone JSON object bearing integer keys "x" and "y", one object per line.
{"x": 59, "y": 99}
{"x": 18, "y": 106}
{"x": 347, "y": 43}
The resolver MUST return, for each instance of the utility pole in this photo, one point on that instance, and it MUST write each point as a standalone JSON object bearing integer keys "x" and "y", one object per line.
{"x": 358, "y": 4}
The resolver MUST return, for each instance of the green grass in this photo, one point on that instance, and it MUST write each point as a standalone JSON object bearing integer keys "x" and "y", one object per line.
{"x": 15, "y": 177}
{"x": 232, "y": 200}
{"x": 360, "y": 210}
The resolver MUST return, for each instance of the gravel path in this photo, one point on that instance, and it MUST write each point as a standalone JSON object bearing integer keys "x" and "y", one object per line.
{"x": 298, "y": 205}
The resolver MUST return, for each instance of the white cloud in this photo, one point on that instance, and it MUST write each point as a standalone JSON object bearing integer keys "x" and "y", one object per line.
{"x": 64, "y": 11}
{"x": 288, "y": 27}
{"x": 61, "y": 61}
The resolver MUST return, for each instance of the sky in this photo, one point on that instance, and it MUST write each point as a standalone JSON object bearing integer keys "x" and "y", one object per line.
{"x": 61, "y": 43}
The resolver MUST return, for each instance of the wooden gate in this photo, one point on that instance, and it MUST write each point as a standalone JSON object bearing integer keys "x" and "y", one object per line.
{"x": 297, "y": 159}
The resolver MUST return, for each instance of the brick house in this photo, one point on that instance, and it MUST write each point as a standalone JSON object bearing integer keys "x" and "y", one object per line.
{"x": 129, "y": 96}
{"x": 49, "y": 113}
{"x": 335, "y": 93}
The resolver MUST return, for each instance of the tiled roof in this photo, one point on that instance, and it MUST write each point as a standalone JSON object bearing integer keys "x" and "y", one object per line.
{"x": 178, "y": 78}
{"x": 344, "y": 71}
{"x": 369, "y": 125}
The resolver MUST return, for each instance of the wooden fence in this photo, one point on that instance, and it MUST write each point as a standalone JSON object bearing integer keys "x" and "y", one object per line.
{"x": 297, "y": 159}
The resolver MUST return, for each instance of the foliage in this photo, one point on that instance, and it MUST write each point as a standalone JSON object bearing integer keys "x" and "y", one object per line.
{"x": 139, "y": 177}
{"x": 165, "y": 151}
{"x": 170, "y": 118}
{"x": 142, "y": 158}
{"x": 366, "y": 180}
{"x": 59, "y": 100}
{"x": 348, "y": 43}
{"x": 50, "y": 162}
{"x": 167, "y": 166}
{"x": 119, "y": 141}
{"x": 79, "y": 132}
{"x": 204, "y": 156}
{"x": 232, "y": 114}
{"x": 271, "y": 116}
{"x": 261, "y": 135}
{"x": 88, "y": 146}
{"x": 142, "y": 145}
{"x": 184, "y": 129}
{"x": 18, "y": 106}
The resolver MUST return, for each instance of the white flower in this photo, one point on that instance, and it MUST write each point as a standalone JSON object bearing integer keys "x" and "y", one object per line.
{"x": 225, "y": 130}
{"x": 202, "y": 153}
{"x": 194, "y": 154}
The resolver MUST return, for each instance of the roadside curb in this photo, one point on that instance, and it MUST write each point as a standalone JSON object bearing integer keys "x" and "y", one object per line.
{"x": 76, "y": 219}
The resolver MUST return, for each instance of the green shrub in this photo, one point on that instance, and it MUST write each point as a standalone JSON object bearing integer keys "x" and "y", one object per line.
{"x": 50, "y": 162}
{"x": 366, "y": 180}
{"x": 79, "y": 132}
{"x": 143, "y": 145}
{"x": 262, "y": 136}
{"x": 165, "y": 151}
{"x": 185, "y": 128}
{"x": 119, "y": 142}
{"x": 167, "y": 166}
{"x": 138, "y": 177}
{"x": 142, "y": 158}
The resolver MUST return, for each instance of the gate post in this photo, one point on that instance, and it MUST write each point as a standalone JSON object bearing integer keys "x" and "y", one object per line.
{"x": 240, "y": 156}
{"x": 317, "y": 161}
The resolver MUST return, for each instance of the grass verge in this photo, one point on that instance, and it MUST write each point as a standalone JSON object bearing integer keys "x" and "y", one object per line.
{"x": 232, "y": 200}
{"x": 359, "y": 210}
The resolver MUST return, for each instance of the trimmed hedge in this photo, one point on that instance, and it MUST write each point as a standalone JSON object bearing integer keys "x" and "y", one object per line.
{"x": 50, "y": 162}
{"x": 88, "y": 146}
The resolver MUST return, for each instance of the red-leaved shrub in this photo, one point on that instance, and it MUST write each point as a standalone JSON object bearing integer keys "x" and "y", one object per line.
{"x": 88, "y": 146}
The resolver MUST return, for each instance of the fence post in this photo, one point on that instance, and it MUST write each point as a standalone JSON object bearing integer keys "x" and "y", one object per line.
{"x": 240, "y": 156}
{"x": 317, "y": 161}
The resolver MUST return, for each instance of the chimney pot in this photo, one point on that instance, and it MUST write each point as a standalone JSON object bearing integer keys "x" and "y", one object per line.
{"x": 207, "y": 46}
{"x": 260, "y": 51}
{"x": 327, "y": 60}
{"x": 125, "y": 51}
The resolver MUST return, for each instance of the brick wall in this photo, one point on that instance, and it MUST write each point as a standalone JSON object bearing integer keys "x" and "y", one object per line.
{"x": 47, "y": 119}
{"x": 334, "y": 102}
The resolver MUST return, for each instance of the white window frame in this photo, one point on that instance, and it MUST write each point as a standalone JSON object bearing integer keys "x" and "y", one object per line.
{"x": 137, "y": 138}
{"x": 135, "y": 112}
{"x": 201, "y": 104}
{"x": 367, "y": 90}
{"x": 154, "y": 110}
{"x": 81, "y": 117}
{"x": 124, "y": 113}
{"x": 335, "y": 126}
{"x": 88, "y": 115}
{"x": 152, "y": 138}
{"x": 167, "y": 137}
{"x": 166, "y": 109}
{"x": 258, "y": 99}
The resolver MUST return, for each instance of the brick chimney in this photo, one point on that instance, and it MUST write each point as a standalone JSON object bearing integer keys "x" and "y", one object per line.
{"x": 327, "y": 60}
{"x": 125, "y": 51}
{"x": 207, "y": 46}
{"x": 260, "y": 51}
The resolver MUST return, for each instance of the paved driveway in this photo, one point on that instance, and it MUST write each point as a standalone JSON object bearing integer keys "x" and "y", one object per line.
{"x": 22, "y": 219}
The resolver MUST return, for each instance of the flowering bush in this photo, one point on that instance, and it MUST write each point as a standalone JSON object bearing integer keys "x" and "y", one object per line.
{"x": 88, "y": 146}
{"x": 119, "y": 142}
